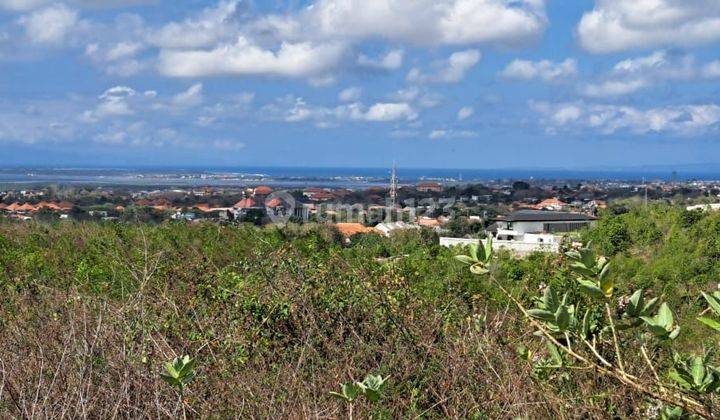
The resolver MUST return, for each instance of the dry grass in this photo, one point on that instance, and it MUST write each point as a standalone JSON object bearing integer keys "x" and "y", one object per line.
{"x": 275, "y": 323}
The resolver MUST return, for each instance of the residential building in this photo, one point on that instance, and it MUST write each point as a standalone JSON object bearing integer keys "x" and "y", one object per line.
{"x": 528, "y": 231}
{"x": 428, "y": 187}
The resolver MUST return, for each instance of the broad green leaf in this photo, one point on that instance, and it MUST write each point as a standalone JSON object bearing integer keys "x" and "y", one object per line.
{"x": 562, "y": 318}
{"x": 659, "y": 331}
{"x": 581, "y": 269}
{"x": 372, "y": 395}
{"x": 473, "y": 251}
{"x": 465, "y": 259}
{"x": 587, "y": 256}
{"x": 542, "y": 314}
{"x": 375, "y": 382}
{"x": 636, "y": 303}
{"x": 169, "y": 379}
{"x": 573, "y": 255}
{"x": 586, "y": 323}
{"x": 550, "y": 299}
{"x": 650, "y": 306}
{"x": 590, "y": 289}
{"x": 697, "y": 370}
{"x": 710, "y": 322}
{"x": 554, "y": 354}
{"x": 713, "y": 302}
{"x": 665, "y": 316}
{"x": 170, "y": 368}
{"x": 488, "y": 248}
{"x": 679, "y": 379}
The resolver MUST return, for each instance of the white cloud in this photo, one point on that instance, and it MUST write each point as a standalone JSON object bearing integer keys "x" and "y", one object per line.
{"x": 50, "y": 25}
{"x": 123, "y": 50}
{"x": 245, "y": 58}
{"x": 711, "y": 70}
{"x": 191, "y": 97}
{"x": 393, "y": 60}
{"x": 451, "y": 134}
{"x": 26, "y": 5}
{"x": 114, "y": 102}
{"x": 21, "y": 5}
{"x": 465, "y": 113}
{"x": 406, "y": 95}
{"x": 619, "y": 25}
{"x": 213, "y": 24}
{"x": 544, "y": 70}
{"x": 612, "y": 88}
{"x": 451, "y": 70}
{"x": 294, "y": 110}
{"x": 684, "y": 120}
{"x": 117, "y": 59}
{"x": 390, "y": 112}
{"x": 506, "y": 22}
{"x": 633, "y": 74}
{"x": 351, "y": 94}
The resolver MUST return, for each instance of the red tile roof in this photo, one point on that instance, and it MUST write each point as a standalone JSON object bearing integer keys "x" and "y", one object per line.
{"x": 263, "y": 190}
{"x": 246, "y": 203}
{"x": 349, "y": 229}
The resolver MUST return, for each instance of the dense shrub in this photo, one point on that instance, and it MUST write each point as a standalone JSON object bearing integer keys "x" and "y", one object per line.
{"x": 277, "y": 318}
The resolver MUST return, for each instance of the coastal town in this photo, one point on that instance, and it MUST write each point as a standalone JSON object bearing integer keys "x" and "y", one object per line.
{"x": 520, "y": 215}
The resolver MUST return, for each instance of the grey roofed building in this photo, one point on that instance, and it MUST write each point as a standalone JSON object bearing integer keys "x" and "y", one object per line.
{"x": 546, "y": 216}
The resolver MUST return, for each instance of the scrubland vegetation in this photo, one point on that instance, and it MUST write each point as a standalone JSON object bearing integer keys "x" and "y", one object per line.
{"x": 274, "y": 320}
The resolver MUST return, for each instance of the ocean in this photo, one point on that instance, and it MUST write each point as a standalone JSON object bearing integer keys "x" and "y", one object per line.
{"x": 290, "y": 177}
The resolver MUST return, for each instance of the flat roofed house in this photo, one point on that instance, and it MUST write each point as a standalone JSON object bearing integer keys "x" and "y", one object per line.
{"x": 539, "y": 221}
{"x": 527, "y": 231}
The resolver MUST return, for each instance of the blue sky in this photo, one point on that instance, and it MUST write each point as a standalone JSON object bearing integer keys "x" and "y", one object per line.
{"x": 351, "y": 83}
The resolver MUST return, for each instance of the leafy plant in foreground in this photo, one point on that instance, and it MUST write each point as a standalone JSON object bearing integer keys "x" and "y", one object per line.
{"x": 714, "y": 301}
{"x": 371, "y": 388}
{"x": 597, "y": 344}
{"x": 179, "y": 372}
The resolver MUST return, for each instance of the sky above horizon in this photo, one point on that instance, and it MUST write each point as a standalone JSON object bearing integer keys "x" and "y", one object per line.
{"x": 360, "y": 83}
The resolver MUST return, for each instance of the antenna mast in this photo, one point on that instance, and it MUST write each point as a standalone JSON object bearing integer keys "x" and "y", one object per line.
{"x": 394, "y": 186}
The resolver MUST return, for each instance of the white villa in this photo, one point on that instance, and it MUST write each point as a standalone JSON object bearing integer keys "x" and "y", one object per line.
{"x": 528, "y": 231}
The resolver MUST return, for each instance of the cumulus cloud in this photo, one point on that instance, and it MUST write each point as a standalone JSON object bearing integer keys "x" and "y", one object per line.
{"x": 245, "y": 58}
{"x": 634, "y": 74}
{"x": 544, "y": 70}
{"x": 609, "y": 119}
{"x": 50, "y": 25}
{"x": 393, "y": 60}
{"x": 451, "y": 70}
{"x": 294, "y": 110}
{"x": 118, "y": 59}
{"x": 612, "y": 88}
{"x": 351, "y": 94}
{"x": 214, "y": 24}
{"x": 26, "y": 5}
{"x": 191, "y": 97}
{"x": 390, "y": 112}
{"x": 620, "y": 25}
{"x": 465, "y": 113}
{"x": 506, "y": 22}
{"x": 113, "y": 102}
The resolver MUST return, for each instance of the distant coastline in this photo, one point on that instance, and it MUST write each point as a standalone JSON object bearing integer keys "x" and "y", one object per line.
{"x": 290, "y": 177}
